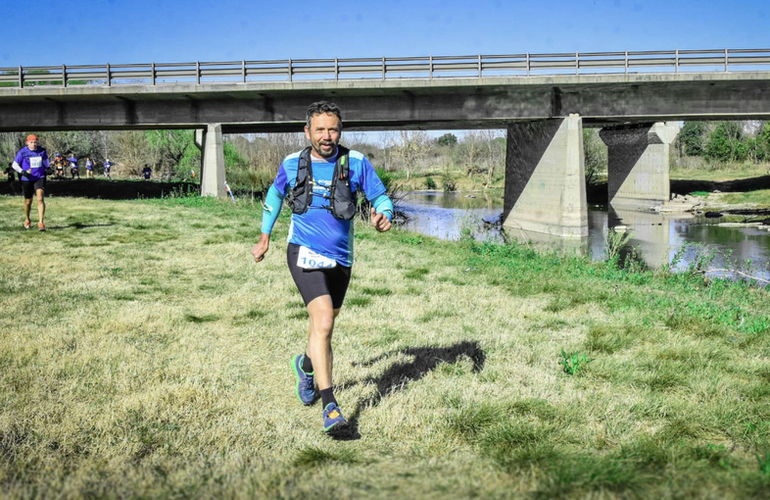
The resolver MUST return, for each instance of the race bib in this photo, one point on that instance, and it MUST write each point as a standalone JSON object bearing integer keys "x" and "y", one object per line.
{"x": 308, "y": 259}
{"x": 35, "y": 162}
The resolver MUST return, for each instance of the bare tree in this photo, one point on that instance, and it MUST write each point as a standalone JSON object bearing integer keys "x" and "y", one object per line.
{"x": 470, "y": 153}
{"x": 494, "y": 146}
{"x": 131, "y": 151}
{"x": 262, "y": 154}
{"x": 81, "y": 143}
{"x": 10, "y": 144}
{"x": 409, "y": 149}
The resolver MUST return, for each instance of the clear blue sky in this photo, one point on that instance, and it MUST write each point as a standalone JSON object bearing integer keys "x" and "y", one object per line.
{"x": 54, "y": 32}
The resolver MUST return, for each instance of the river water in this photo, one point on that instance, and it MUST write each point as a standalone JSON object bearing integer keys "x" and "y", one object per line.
{"x": 656, "y": 238}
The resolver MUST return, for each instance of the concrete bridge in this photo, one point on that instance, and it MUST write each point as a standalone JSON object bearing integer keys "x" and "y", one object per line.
{"x": 542, "y": 100}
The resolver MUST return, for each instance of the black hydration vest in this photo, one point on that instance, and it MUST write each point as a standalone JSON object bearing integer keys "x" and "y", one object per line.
{"x": 342, "y": 202}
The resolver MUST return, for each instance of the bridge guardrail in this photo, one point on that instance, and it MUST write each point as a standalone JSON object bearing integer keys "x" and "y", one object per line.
{"x": 384, "y": 68}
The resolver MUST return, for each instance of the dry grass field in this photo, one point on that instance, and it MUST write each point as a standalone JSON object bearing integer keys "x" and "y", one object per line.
{"x": 143, "y": 354}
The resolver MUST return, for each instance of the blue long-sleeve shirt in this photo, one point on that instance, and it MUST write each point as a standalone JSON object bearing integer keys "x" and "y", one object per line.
{"x": 317, "y": 228}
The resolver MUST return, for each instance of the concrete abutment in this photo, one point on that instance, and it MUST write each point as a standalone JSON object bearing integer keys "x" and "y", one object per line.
{"x": 638, "y": 164}
{"x": 211, "y": 144}
{"x": 545, "y": 188}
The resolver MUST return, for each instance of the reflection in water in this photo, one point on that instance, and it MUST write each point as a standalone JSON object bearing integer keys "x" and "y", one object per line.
{"x": 650, "y": 233}
{"x": 447, "y": 215}
{"x": 655, "y": 237}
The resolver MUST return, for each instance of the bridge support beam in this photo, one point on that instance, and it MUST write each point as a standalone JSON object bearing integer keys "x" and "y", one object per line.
{"x": 545, "y": 190}
{"x": 211, "y": 144}
{"x": 638, "y": 164}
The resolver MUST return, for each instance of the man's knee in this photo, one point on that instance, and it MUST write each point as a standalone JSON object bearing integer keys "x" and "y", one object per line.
{"x": 323, "y": 323}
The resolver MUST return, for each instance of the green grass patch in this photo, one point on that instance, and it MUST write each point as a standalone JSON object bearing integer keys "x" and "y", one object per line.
{"x": 759, "y": 197}
{"x": 418, "y": 274}
{"x": 376, "y": 292}
{"x": 205, "y": 318}
{"x": 358, "y": 301}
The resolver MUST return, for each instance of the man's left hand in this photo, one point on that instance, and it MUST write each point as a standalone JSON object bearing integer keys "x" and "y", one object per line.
{"x": 380, "y": 221}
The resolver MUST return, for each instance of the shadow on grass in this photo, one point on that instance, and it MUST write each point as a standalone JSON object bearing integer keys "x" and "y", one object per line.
{"x": 76, "y": 225}
{"x": 738, "y": 185}
{"x": 119, "y": 189}
{"x": 397, "y": 376}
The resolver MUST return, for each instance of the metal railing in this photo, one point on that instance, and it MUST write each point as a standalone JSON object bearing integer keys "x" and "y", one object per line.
{"x": 388, "y": 68}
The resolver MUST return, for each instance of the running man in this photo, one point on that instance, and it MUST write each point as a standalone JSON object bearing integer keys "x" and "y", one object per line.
{"x": 322, "y": 183}
{"x": 107, "y": 167}
{"x": 89, "y": 168}
{"x": 73, "y": 166}
{"x": 58, "y": 164}
{"x": 31, "y": 162}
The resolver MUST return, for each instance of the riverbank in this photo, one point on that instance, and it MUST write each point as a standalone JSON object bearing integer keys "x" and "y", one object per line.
{"x": 154, "y": 360}
{"x": 732, "y": 186}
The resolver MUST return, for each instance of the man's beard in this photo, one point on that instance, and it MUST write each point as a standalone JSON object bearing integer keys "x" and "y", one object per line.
{"x": 331, "y": 153}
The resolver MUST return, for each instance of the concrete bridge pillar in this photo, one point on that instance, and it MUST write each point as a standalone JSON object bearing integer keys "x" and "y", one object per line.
{"x": 638, "y": 164}
{"x": 545, "y": 188}
{"x": 211, "y": 144}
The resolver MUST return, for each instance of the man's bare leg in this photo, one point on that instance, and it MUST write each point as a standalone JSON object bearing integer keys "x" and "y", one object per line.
{"x": 40, "y": 205}
{"x": 319, "y": 342}
{"x": 27, "y": 208}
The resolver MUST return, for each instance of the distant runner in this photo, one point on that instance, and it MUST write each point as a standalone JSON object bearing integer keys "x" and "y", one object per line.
{"x": 58, "y": 165}
{"x": 107, "y": 167}
{"x": 322, "y": 183}
{"x": 73, "y": 166}
{"x": 31, "y": 162}
{"x": 89, "y": 168}
{"x": 147, "y": 172}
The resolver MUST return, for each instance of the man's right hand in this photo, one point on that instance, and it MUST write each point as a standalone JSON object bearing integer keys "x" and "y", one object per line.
{"x": 260, "y": 249}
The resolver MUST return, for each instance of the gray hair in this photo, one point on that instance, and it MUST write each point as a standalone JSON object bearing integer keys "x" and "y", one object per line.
{"x": 320, "y": 107}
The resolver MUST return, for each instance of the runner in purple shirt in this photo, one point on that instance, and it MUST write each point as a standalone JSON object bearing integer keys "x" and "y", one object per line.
{"x": 107, "y": 167}
{"x": 73, "y": 166}
{"x": 31, "y": 162}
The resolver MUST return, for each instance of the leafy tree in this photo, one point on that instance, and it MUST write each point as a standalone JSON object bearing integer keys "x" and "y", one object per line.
{"x": 692, "y": 138}
{"x": 447, "y": 140}
{"x": 174, "y": 152}
{"x": 233, "y": 158}
{"x": 724, "y": 142}
{"x": 763, "y": 142}
{"x": 595, "y": 154}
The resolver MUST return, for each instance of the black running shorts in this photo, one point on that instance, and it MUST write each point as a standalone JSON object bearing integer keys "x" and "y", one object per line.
{"x": 314, "y": 283}
{"x": 29, "y": 188}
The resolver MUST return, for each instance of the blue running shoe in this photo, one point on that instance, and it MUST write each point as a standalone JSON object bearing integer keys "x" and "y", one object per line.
{"x": 305, "y": 388}
{"x": 333, "y": 419}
